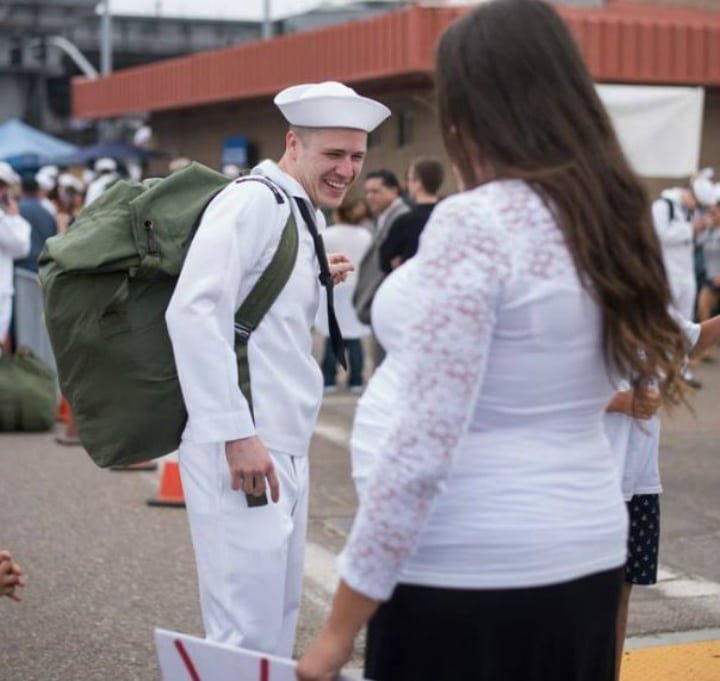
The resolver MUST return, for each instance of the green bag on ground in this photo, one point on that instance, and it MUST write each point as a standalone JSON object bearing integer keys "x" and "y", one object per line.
{"x": 28, "y": 393}
{"x": 106, "y": 285}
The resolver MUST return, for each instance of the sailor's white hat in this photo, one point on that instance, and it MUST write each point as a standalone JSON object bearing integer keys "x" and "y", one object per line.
{"x": 330, "y": 105}
{"x": 7, "y": 174}
{"x": 45, "y": 179}
{"x": 50, "y": 171}
{"x": 105, "y": 165}
{"x": 717, "y": 192}
{"x": 69, "y": 181}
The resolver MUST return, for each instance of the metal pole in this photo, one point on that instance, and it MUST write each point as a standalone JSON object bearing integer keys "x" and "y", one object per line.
{"x": 267, "y": 28}
{"x": 71, "y": 50}
{"x": 105, "y": 126}
{"x": 106, "y": 51}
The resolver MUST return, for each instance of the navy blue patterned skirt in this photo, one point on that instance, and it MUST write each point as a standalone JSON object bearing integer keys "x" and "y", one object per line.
{"x": 643, "y": 539}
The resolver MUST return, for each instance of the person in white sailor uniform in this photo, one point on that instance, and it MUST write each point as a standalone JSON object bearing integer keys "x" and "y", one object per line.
{"x": 14, "y": 244}
{"x": 106, "y": 169}
{"x": 250, "y": 557}
{"x": 678, "y": 220}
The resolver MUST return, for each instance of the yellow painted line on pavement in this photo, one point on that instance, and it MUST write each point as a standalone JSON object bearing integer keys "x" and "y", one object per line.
{"x": 682, "y": 662}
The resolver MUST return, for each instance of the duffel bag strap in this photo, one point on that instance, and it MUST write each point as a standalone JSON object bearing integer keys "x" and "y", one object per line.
{"x": 260, "y": 299}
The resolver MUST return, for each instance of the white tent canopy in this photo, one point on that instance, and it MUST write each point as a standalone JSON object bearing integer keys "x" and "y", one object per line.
{"x": 660, "y": 128}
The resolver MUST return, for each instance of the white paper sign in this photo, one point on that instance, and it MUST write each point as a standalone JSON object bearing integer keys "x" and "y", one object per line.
{"x": 186, "y": 658}
{"x": 659, "y": 128}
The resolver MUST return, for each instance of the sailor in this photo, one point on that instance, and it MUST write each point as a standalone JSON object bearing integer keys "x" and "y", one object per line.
{"x": 106, "y": 171}
{"x": 14, "y": 244}
{"x": 249, "y": 557}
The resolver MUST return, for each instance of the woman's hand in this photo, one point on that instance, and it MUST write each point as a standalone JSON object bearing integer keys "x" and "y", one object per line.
{"x": 333, "y": 646}
{"x": 325, "y": 658}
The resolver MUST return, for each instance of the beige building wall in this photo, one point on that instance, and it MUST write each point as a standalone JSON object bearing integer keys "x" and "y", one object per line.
{"x": 198, "y": 133}
{"x": 410, "y": 132}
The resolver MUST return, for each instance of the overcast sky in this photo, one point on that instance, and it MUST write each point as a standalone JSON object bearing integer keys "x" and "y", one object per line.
{"x": 250, "y": 10}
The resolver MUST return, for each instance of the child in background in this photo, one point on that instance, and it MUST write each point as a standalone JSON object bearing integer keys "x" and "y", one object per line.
{"x": 633, "y": 430}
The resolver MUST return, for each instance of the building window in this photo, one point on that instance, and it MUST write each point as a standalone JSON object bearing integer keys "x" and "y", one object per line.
{"x": 405, "y": 129}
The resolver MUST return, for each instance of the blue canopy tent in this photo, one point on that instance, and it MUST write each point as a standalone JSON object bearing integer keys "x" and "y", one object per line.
{"x": 117, "y": 150}
{"x": 26, "y": 148}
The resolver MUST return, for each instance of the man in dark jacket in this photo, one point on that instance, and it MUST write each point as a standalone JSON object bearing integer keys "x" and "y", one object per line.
{"x": 382, "y": 195}
{"x": 42, "y": 223}
{"x": 424, "y": 179}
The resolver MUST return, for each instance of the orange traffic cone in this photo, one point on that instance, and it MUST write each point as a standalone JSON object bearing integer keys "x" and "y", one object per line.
{"x": 139, "y": 466}
{"x": 63, "y": 410}
{"x": 171, "y": 491}
{"x": 71, "y": 435}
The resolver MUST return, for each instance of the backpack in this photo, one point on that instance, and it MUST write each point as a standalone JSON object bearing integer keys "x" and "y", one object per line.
{"x": 28, "y": 393}
{"x": 106, "y": 286}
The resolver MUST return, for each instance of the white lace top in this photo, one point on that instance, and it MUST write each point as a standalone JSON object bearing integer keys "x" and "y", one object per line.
{"x": 478, "y": 446}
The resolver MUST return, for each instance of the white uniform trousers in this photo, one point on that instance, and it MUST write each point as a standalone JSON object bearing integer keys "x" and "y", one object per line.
{"x": 684, "y": 292}
{"x": 249, "y": 560}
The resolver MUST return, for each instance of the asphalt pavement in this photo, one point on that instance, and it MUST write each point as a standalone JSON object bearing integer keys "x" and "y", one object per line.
{"x": 104, "y": 568}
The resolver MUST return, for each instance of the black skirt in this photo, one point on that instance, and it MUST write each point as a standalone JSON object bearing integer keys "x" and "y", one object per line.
{"x": 563, "y": 632}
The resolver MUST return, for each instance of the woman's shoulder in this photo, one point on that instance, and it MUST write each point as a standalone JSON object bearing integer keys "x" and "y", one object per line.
{"x": 494, "y": 197}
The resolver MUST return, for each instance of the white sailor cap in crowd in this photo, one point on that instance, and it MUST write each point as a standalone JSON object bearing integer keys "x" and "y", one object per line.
{"x": 45, "y": 180}
{"x": 69, "y": 181}
{"x": 50, "y": 171}
{"x": 329, "y": 105}
{"x": 703, "y": 187}
{"x": 107, "y": 165}
{"x": 143, "y": 136}
{"x": 716, "y": 189}
{"x": 231, "y": 170}
{"x": 178, "y": 163}
{"x": 7, "y": 174}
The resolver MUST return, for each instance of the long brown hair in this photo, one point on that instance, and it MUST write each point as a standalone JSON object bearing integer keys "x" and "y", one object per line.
{"x": 514, "y": 96}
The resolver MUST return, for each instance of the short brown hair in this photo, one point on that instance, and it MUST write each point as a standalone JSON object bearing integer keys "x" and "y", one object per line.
{"x": 429, "y": 172}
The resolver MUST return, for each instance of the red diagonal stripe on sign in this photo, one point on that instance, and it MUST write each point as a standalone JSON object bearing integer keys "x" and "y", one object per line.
{"x": 187, "y": 661}
{"x": 264, "y": 669}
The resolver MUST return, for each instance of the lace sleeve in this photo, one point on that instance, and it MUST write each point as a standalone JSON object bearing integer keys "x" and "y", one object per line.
{"x": 460, "y": 267}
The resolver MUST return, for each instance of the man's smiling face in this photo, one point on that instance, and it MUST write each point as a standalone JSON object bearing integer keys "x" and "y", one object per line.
{"x": 326, "y": 161}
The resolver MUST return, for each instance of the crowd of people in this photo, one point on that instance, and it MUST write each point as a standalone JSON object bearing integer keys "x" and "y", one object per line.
{"x": 525, "y": 332}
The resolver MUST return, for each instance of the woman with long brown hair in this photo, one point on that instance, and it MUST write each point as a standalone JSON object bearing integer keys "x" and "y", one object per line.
{"x": 491, "y": 533}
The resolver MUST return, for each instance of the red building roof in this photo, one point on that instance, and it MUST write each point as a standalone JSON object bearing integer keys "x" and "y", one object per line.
{"x": 621, "y": 43}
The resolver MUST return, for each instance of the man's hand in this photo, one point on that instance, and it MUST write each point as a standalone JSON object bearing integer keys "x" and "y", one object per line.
{"x": 340, "y": 266}
{"x": 10, "y": 576}
{"x": 250, "y": 465}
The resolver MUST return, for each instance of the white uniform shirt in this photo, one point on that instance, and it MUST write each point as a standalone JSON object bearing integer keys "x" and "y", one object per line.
{"x": 676, "y": 237}
{"x": 481, "y": 437}
{"x": 14, "y": 244}
{"x": 98, "y": 186}
{"x": 235, "y": 242}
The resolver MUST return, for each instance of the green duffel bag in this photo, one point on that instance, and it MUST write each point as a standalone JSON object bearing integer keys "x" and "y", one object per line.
{"x": 106, "y": 286}
{"x": 28, "y": 393}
